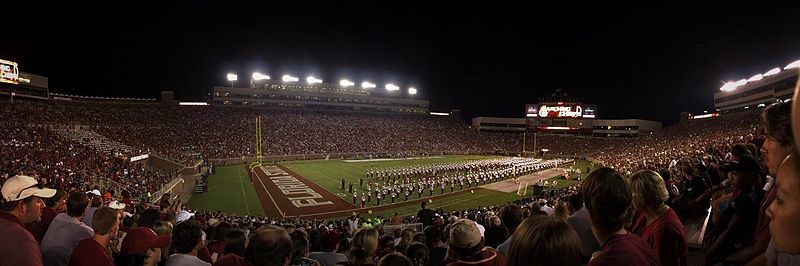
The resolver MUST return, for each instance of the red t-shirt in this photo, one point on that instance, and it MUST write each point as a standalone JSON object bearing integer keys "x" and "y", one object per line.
{"x": 666, "y": 236}
{"x": 38, "y": 229}
{"x": 89, "y": 253}
{"x": 216, "y": 246}
{"x": 627, "y": 249}
{"x": 232, "y": 260}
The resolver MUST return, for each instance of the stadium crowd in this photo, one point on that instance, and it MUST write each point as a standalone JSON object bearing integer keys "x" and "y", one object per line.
{"x": 744, "y": 166}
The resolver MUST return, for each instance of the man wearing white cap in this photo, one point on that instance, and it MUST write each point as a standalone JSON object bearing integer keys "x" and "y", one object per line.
{"x": 467, "y": 246}
{"x": 21, "y": 204}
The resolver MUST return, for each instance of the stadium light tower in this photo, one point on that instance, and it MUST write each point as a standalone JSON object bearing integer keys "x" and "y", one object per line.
{"x": 412, "y": 91}
{"x": 367, "y": 85}
{"x": 392, "y": 87}
{"x": 772, "y": 71}
{"x": 346, "y": 83}
{"x": 258, "y": 76}
{"x": 312, "y": 80}
{"x": 289, "y": 78}
{"x": 795, "y": 64}
{"x": 232, "y": 78}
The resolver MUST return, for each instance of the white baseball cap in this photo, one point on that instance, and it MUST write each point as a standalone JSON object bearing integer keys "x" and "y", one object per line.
{"x": 116, "y": 205}
{"x": 183, "y": 216}
{"x": 94, "y": 192}
{"x": 20, "y": 187}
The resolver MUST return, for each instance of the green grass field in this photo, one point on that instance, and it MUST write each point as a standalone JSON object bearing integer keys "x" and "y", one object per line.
{"x": 229, "y": 190}
{"x": 329, "y": 173}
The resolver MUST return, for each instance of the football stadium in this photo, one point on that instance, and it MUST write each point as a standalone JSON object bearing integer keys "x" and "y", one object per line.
{"x": 273, "y": 164}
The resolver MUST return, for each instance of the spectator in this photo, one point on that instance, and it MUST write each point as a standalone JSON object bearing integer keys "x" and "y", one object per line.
{"x": 425, "y": 215}
{"x": 217, "y": 245}
{"x": 608, "y": 201}
{"x": 92, "y": 251}
{"x": 329, "y": 243}
{"x": 495, "y": 233}
{"x": 269, "y": 245}
{"x": 561, "y": 210}
{"x": 163, "y": 228}
{"x": 581, "y": 223}
{"x": 235, "y": 242}
{"x": 511, "y": 216}
{"x": 364, "y": 245}
{"x": 186, "y": 241}
{"x": 142, "y": 246}
{"x": 66, "y": 230}
{"x": 737, "y": 221}
{"x": 466, "y": 246}
{"x": 21, "y": 204}
{"x": 53, "y": 206}
{"x": 406, "y": 236}
{"x": 395, "y": 259}
{"x": 784, "y": 248}
{"x": 300, "y": 250}
{"x": 544, "y": 239}
{"x": 95, "y": 201}
{"x": 436, "y": 248}
{"x": 778, "y": 143}
{"x": 658, "y": 225}
{"x": 418, "y": 254}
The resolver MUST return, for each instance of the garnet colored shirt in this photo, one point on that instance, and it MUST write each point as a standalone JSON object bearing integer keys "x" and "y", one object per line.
{"x": 39, "y": 229}
{"x": 89, "y": 253}
{"x": 232, "y": 260}
{"x": 627, "y": 249}
{"x": 666, "y": 236}
{"x": 19, "y": 247}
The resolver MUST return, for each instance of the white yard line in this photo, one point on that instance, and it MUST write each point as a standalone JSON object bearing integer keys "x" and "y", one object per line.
{"x": 280, "y": 212}
{"x": 244, "y": 195}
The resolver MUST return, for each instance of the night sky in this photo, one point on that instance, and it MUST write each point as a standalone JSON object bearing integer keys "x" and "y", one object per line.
{"x": 633, "y": 61}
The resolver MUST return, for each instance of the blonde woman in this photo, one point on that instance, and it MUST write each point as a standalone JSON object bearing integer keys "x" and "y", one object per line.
{"x": 658, "y": 225}
{"x": 544, "y": 240}
{"x": 363, "y": 247}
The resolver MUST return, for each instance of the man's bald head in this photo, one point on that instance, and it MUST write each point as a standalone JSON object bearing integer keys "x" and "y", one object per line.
{"x": 269, "y": 245}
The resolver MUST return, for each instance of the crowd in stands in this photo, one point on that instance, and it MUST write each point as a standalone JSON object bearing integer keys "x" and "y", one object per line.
{"x": 57, "y": 162}
{"x": 743, "y": 167}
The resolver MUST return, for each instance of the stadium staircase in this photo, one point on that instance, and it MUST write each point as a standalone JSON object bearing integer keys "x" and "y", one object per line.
{"x": 96, "y": 141}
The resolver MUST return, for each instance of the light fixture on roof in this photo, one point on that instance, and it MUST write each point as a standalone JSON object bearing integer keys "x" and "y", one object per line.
{"x": 259, "y": 76}
{"x": 795, "y": 64}
{"x": 367, "y": 85}
{"x": 346, "y": 83}
{"x": 288, "y": 78}
{"x": 313, "y": 80}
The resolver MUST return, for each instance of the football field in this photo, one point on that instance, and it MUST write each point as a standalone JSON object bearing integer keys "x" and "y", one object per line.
{"x": 232, "y": 191}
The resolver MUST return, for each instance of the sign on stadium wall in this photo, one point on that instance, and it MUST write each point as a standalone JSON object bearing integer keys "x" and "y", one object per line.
{"x": 140, "y": 157}
{"x": 9, "y": 72}
{"x": 561, "y": 110}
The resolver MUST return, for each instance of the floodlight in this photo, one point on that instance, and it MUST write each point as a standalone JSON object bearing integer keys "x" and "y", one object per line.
{"x": 772, "y": 72}
{"x": 367, "y": 85}
{"x": 259, "y": 76}
{"x": 312, "y": 80}
{"x": 288, "y": 78}
{"x": 412, "y": 91}
{"x": 346, "y": 83}
{"x": 232, "y": 77}
{"x": 755, "y": 78}
{"x": 795, "y": 64}
{"x": 392, "y": 87}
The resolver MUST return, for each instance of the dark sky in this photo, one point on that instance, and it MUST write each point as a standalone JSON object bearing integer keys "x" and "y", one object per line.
{"x": 634, "y": 61}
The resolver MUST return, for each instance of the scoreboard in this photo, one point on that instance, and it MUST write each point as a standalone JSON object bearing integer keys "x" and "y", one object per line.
{"x": 9, "y": 72}
{"x": 561, "y": 110}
